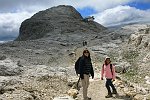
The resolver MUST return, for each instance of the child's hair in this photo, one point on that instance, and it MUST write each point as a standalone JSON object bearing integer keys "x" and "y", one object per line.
{"x": 106, "y": 59}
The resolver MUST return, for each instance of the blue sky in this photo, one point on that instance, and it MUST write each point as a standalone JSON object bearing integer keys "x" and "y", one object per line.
{"x": 106, "y": 12}
{"x": 87, "y": 11}
{"x": 140, "y": 5}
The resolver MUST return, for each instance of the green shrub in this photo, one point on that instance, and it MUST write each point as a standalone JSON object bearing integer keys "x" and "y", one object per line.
{"x": 130, "y": 55}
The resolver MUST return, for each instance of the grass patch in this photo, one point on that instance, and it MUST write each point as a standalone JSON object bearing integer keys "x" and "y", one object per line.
{"x": 114, "y": 56}
{"x": 130, "y": 55}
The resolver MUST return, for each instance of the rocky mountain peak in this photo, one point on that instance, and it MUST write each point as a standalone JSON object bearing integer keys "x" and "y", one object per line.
{"x": 61, "y": 10}
{"x": 56, "y": 20}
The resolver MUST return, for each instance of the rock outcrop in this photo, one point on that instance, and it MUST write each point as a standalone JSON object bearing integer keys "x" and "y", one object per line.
{"x": 137, "y": 53}
{"x": 56, "y": 20}
{"x": 141, "y": 38}
{"x": 9, "y": 68}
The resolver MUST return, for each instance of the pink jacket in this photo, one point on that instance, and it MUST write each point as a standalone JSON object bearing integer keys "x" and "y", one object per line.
{"x": 106, "y": 71}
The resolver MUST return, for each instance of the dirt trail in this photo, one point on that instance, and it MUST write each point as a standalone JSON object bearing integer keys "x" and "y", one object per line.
{"x": 98, "y": 91}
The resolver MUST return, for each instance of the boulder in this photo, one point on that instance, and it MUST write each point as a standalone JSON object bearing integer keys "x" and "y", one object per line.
{"x": 144, "y": 31}
{"x": 122, "y": 67}
{"x": 118, "y": 83}
{"x": 2, "y": 57}
{"x": 148, "y": 97}
{"x": 73, "y": 93}
{"x": 138, "y": 40}
{"x": 8, "y": 89}
{"x": 72, "y": 83}
{"x": 17, "y": 95}
{"x": 131, "y": 93}
{"x": 139, "y": 97}
{"x": 9, "y": 68}
{"x": 8, "y": 71}
{"x": 147, "y": 58}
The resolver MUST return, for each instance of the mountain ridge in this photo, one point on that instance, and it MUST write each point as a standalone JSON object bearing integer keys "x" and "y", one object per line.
{"x": 56, "y": 20}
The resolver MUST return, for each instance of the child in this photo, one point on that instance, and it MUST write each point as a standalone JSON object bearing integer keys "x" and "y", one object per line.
{"x": 108, "y": 70}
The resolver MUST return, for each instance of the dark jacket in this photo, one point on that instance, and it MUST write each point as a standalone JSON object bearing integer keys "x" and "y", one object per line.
{"x": 85, "y": 67}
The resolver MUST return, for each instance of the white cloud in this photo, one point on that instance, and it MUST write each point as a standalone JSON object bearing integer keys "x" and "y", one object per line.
{"x": 10, "y": 23}
{"x": 13, "y": 12}
{"x": 100, "y": 5}
{"x": 122, "y": 15}
{"x": 34, "y": 5}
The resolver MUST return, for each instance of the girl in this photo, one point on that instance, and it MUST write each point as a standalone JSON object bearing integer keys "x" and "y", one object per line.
{"x": 108, "y": 70}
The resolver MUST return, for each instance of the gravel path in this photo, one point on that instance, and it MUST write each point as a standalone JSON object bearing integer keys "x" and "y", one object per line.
{"x": 97, "y": 91}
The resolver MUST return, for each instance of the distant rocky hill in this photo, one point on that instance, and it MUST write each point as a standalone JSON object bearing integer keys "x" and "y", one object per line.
{"x": 56, "y": 20}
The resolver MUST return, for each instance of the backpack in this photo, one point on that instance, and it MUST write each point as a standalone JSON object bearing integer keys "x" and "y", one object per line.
{"x": 77, "y": 67}
{"x": 110, "y": 68}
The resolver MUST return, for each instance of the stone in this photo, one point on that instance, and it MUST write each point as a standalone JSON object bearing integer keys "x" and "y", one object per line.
{"x": 139, "y": 97}
{"x": 122, "y": 67}
{"x": 131, "y": 93}
{"x": 2, "y": 57}
{"x": 7, "y": 89}
{"x": 17, "y": 95}
{"x": 148, "y": 97}
{"x": 147, "y": 58}
{"x": 138, "y": 40}
{"x": 71, "y": 83}
{"x": 146, "y": 44}
{"x": 63, "y": 98}
{"x": 125, "y": 89}
{"x": 73, "y": 93}
{"x": 8, "y": 71}
{"x": 9, "y": 68}
{"x": 118, "y": 83}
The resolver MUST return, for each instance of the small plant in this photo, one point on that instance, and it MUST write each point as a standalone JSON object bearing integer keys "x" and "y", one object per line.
{"x": 130, "y": 55}
{"x": 113, "y": 55}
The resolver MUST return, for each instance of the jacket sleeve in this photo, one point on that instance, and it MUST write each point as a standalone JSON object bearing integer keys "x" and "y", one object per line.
{"x": 102, "y": 71}
{"x": 92, "y": 72}
{"x": 114, "y": 72}
{"x": 81, "y": 65}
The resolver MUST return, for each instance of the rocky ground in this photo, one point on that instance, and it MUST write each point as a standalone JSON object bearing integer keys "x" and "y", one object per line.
{"x": 30, "y": 69}
{"x": 38, "y": 82}
{"x": 39, "y": 64}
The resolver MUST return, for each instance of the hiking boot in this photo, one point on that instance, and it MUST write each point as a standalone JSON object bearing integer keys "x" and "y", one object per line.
{"x": 88, "y": 98}
{"x": 108, "y": 96}
{"x": 114, "y": 92}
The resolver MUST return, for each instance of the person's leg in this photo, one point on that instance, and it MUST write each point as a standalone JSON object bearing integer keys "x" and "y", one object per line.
{"x": 108, "y": 85}
{"x": 113, "y": 88}
{"x": 108, "y": 88}
{"x": 85, "y": 84}
{"x": 84, "y": 87}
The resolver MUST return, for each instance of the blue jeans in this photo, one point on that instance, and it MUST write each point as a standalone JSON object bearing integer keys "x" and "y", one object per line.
{"x": 108, "y": 85}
